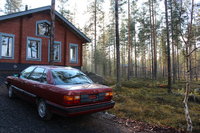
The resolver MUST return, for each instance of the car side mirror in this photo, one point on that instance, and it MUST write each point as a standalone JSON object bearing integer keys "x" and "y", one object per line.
{"x": 16, "y": 75}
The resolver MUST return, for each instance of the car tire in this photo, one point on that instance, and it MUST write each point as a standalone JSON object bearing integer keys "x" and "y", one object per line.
{"x": 11, "y": 94}
{"x": 43, "y": 111}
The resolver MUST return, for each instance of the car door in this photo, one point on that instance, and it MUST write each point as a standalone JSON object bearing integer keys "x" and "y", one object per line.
{"x": 18, "y": 82}
{"x": 32, "y": 85}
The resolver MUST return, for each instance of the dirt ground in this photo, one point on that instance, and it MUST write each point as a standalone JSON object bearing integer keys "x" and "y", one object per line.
{"x": 18, "y": 116}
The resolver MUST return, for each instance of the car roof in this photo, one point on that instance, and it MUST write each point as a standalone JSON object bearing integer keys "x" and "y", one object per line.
{"x": 54, "y": 67}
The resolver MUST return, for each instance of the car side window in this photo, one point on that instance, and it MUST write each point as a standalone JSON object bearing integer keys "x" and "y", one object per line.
{"x": 37, "y": 74}
{"x": 27, "y": 72}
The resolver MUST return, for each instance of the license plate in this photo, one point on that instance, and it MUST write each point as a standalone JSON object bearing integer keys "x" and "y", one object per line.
{"x": 93, "y": 97}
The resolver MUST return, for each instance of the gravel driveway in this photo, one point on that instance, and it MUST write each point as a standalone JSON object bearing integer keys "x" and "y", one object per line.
{"x": 18, "y": 116}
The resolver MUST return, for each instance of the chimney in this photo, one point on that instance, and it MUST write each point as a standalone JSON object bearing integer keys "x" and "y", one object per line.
{"x": 26, "y": 7}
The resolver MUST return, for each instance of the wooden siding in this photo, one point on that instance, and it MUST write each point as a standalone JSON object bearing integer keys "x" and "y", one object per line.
{"x": 25, "y": 26}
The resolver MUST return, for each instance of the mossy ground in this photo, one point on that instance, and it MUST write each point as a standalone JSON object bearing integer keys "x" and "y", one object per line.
{"x": 148, "y": 101}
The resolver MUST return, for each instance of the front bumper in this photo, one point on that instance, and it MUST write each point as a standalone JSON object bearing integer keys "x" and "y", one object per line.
{"x": 82, "y": 109}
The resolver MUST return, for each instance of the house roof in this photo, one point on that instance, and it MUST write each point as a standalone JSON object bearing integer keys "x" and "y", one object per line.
{"x": 69, "y": 24}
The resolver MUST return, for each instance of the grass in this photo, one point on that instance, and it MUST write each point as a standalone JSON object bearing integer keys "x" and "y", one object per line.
{"x": 149, "y": 102}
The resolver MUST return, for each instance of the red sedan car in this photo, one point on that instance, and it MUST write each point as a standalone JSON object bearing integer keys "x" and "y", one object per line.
{"x": 62, "y": 90}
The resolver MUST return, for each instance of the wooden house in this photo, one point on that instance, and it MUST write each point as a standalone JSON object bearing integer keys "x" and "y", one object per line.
{"x": 24, "y": 40}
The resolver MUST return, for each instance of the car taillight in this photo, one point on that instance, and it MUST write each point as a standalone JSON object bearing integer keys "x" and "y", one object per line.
{"x": 108, "y": 95}
{"x": 72, "y": 99}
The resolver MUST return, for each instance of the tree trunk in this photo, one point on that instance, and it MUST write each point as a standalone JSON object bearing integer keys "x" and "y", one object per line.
{"x": 118, "y": 85}
{"x": 144, "y": 63}
{"x": 185, "y": 101}
{"x": 135, "y": 56}
{"x": 188, "y": 72}
{"x": 154, "y": 44}
{"x": 104, "y": 49}
{"x": 168, "y": 49}
{"x": 115, "y": 59}
{"x": 123, "y": 57}
{"x": 172, "y": 43}
{"x": 150, "y": 62}
{"x": 187, "y": 89}
{"x": 92, "y": 57}
{"x": 178, "y": 64}
{"x": 95, "y": 35}
{"x": 52, "y": 32}
{"x": 196, "y": 65}
{"x": 151, "y": 40}
{"x": 110, "y": 65}
{"x": 129, "y": 42}
{"x": 190, "y": 60}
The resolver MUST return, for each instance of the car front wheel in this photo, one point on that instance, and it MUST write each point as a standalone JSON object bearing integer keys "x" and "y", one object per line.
{"x": 43, "y": 111}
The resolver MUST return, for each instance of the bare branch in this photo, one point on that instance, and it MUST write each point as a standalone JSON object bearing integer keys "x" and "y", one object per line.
{"x": 183, "y": 38}
{"x": 192, "y": 51}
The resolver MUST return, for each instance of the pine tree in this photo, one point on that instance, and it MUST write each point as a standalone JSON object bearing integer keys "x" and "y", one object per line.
{"x": 143, "y": 37}
{"x": 118, "y": 85}
{"x": 168, "y": 48}
{"x": 12, "y": 6}
{"x": 94, "y": 9}
{"x": 129, "y": 41}
{"x": 111, "y": 32}
{"x": 64, "y": 11}
{"x": 134, "y": 12}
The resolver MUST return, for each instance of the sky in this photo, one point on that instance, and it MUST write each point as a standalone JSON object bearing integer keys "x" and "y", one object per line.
{"x": 78, "y": 6}
{"x": 75, "y": 6}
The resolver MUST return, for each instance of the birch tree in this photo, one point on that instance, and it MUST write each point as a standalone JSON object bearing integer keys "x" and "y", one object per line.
{"x": 188, "y": 70}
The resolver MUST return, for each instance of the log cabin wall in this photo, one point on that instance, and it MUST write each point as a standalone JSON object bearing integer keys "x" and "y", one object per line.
{"x": 23, "y": 29}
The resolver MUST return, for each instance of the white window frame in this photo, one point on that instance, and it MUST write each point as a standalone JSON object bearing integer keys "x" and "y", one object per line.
{"x": 60, "y": 51}
{"x": 40, "y": 48}
{"x": 77, "y": 54}
{"x": 12, "y": 50}
{"x": 36, "y": 30}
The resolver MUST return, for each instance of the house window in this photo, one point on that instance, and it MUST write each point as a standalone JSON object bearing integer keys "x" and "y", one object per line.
{"x": 33, "y": 48}
{"x": 73, "y": 53}
{"x": 56, "y": 51}
{"x": 43, "y": 28}
{"x": 6, "y": 46}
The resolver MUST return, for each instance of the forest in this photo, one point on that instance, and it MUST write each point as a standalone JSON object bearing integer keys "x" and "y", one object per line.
{"x": 145, "y": 40}
{"x": 155, "y": 40}
{"x": 142, "y": 44}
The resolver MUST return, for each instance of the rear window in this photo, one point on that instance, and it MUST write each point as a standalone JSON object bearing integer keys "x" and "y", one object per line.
{"x": 69, "y": 77}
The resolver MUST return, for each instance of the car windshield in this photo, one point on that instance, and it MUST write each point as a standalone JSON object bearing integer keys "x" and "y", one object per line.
{"x": 69, "y": 77}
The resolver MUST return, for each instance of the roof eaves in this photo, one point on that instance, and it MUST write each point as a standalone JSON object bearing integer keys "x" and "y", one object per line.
{"x": 14, "y": 15}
